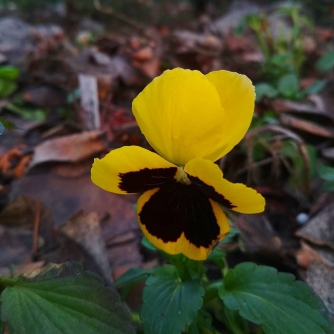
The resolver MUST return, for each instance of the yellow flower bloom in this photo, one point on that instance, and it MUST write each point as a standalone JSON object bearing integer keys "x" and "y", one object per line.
{"x": 191, "y": 120}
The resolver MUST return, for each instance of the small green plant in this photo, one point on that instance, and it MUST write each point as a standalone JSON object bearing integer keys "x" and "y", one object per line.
{"x": 284, "y": 55}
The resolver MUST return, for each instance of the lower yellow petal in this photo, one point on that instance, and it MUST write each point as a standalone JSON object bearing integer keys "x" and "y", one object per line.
{"x": 132, "y": 169}
{"x": 208, "y": 177}
{"x": 181, "y": 220}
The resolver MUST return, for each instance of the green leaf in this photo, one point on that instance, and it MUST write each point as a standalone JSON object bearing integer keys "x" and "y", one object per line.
{"x": 216, "y": 254}
{"x": 230, "y": 238}
{"x": 2, "y": 327}
{"x": 316, "y": 87}
{"x": 265, "y": 90}
{"x": 7, "y": 87}
{"x": 63, "y": 299}
{"x": 288, "y": 85}
{"x": 234, "y": 321}
{"x": 328, "y": 186}
{"x": 133, "y": 275}
{"x": 36, "y": 115}
{"x": 7, "y": 124}
{"x": 147, "y": 244}
{"x": 325, "y": 172}
{"x": 326, "y": 62}
{"x": 274, "y": 300}
{"x": 9, "y": 72}
{"x": 170, "y": 304}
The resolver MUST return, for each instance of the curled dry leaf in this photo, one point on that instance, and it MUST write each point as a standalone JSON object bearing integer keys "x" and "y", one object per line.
{"x": 14, "y": 162}
{"x": 72, "y": 148}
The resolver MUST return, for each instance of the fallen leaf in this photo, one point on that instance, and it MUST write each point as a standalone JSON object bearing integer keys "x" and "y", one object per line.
{"x": 320, "y": 277}
{"x": 310, "y": 127}
{"x": 72, "y": 148}
{"x": 86, "y": 232}
{"x": 307, "y": 254}
{"x": 319, "y": 230}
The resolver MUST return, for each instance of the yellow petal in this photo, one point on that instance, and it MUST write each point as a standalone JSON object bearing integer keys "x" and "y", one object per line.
{"x": 208, "y": 177}
{"x": 132, "y": 169}
{"x": 237, "y": 96}
{"x": 178, "y": 218}
{"x": 180, "y": 115}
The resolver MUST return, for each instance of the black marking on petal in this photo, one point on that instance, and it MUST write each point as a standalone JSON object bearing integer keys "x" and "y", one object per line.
{"x": 177, "y": 208}
{"x": 145, "y": 179}
{"x": 210, "y": 191}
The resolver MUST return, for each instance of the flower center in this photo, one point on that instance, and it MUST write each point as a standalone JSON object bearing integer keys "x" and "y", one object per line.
{"x": 182, "y": 176}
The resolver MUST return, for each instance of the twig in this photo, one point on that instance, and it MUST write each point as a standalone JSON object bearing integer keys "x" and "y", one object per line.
{"x": 301, "y": 145}
{"x": 118, "y": 16}
{"x": 36, "y": 228}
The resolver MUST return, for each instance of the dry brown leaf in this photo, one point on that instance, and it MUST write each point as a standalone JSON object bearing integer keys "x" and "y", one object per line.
{"x": 72, "y": 148}
{"x": 86, "y": 232}
{"x": 307, "y": 254}
{"x": 319, "y": 230}
{"x": 320, "y": 277}
{"x": 67, "y": 188}
{"x": 310, "y": 127}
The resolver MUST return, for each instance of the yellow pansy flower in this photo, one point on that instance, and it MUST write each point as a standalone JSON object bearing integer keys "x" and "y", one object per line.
{"x": 191, "y": 120}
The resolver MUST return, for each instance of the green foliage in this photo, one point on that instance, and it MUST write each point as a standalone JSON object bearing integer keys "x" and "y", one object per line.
{"x": 327, "y": 174}
{"x": 284, "y": 54}
{"x": 265, "y": 90}
{"x": 326, "y": 62}
{"x": 170, "y": 304}
{"x": 234, "y": 322}
{"x": 288, "y": 86}
{"x": 35, "y": 115}
{"x": 62, "y": 299}
{"x": 130, "y": 278}
{"x": 275, "y": 300}
{"x": 8, "y": 76}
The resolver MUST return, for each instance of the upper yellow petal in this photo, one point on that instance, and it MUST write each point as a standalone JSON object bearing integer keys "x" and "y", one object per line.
{"x": 181, "y": 116}
{"x": 235, "y": 196}
{"x": 146, "y": 169}
{"x": 237, "y": 96}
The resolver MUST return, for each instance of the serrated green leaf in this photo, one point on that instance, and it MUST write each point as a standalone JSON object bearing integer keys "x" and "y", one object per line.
{"x": 133, "y": 275}
{"x": 170, "y": 304}
{"x": 326, "y": 62}
{"x": 63, "y": 299}
{"x": 274, "y": 300}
